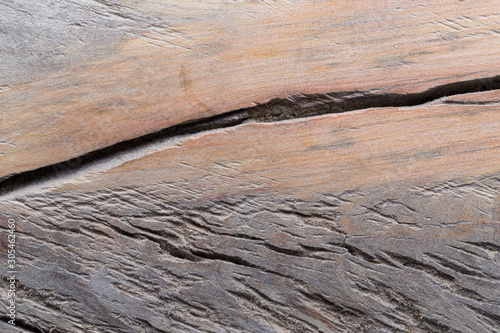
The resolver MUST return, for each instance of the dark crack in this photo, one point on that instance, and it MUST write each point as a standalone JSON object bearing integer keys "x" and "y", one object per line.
{"x": 339, "y": 102}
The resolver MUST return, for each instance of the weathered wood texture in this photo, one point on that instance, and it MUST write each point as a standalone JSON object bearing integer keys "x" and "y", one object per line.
{"x": 80, "y": 75}
{"x": 381, "y": 220}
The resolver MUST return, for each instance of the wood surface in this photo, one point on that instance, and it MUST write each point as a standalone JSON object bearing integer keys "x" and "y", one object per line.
{"x": 350, "y": 184}
{"x": 80, "y": 75}
{"x": 372, "y": 221}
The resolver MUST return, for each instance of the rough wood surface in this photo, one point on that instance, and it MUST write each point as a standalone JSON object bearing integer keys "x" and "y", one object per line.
{"x": 380, "y": 212}
{"x": 381, "y": 220}
{"x": 78, "y": 75}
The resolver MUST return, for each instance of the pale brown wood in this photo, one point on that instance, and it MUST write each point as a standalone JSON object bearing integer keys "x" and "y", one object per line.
{"x": 77, "y": 76}
{"x": 356, "y": 149}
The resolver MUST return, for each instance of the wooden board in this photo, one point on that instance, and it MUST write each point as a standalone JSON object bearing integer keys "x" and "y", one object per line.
{"x": 382, "y": 214}
{"x": 76, "y": 76}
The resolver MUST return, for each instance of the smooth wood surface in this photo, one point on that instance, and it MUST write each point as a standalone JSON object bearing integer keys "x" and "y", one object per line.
{"x": 80, "y": 75}
{"x": 380, "y": 220}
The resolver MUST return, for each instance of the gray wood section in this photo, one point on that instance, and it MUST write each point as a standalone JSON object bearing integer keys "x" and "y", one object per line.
{"x": 400, "y": 257}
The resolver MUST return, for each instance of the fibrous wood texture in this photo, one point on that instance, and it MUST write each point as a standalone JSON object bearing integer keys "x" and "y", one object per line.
{"x": 374, "y": 207}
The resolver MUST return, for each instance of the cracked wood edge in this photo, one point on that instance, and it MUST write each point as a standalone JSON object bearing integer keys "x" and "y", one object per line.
{"x": 376, "y": 145}
{"x": 372, "y": 221}
{"x": 80, "y": 75}
{"x": 486, "y": 97}
{"x": 275, "y": 110}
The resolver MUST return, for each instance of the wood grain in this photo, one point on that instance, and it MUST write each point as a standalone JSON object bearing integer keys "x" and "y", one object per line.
{"x": 80, "y": 75}
{"x": 380, "y": 220}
